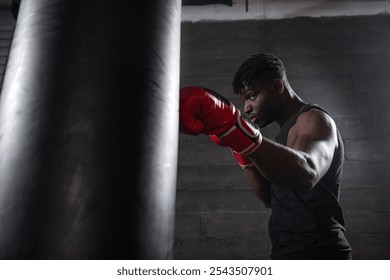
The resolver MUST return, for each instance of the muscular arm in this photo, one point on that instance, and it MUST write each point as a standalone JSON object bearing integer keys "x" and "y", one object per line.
{"x": 307, "y": 157}
{"x": 299, "y": 166}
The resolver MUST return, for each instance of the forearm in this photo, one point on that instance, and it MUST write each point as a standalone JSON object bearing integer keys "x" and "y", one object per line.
{"x": 284, "y": 166}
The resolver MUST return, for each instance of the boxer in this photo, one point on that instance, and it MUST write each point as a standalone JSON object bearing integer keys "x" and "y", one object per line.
{"x": 297, "y": 175}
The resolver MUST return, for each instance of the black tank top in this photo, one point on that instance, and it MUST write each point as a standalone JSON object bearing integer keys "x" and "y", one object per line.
{"x": 309, "y": 225}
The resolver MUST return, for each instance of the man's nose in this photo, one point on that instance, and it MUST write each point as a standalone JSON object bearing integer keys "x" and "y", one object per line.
{"x": 247, "y": 108}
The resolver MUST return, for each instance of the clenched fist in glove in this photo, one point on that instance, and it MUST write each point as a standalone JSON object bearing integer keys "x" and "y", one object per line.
{"x": 205, "y": 111}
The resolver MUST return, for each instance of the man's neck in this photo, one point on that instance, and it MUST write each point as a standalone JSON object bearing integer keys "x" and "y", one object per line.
{"x": 292, "y": 107}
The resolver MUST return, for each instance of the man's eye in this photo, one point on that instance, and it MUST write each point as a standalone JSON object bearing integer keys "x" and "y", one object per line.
{"x": 252, "y": 96}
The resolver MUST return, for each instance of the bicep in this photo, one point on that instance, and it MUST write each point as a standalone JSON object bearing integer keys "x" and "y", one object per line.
{"x": 316, "y": 138}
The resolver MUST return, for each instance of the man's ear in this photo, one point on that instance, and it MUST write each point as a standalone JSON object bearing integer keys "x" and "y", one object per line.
{"x": 278, "y": 86}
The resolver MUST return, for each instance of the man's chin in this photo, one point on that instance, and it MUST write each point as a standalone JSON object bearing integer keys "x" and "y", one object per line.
{"x": 262, "y": 123}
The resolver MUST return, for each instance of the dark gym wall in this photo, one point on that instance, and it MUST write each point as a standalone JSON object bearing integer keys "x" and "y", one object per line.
{"x": 342, "y": 64}
{"x": 7, "y": 24}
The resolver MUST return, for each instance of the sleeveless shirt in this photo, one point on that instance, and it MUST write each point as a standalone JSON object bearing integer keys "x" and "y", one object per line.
{"x": 309, "y": 225}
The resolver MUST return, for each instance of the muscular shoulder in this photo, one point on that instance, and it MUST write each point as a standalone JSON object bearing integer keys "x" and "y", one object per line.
{"x": 315, "y": 124}
{"x": 315, "y": 120}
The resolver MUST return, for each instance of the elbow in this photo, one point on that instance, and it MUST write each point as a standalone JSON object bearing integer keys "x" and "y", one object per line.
{"x": 307, "y": 185}
{"x": 309, "y": 180}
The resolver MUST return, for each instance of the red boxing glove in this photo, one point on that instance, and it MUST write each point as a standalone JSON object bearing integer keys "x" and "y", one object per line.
{"x": 242, "y": 160}
{"x": 217, "y": 141}
{"x": 205, "y": 111}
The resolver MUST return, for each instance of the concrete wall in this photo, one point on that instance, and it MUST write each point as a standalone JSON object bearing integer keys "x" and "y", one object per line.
{"x": 340, "y": 63}
{"x": 282, "y": 9}
{"x": 7, "y": 24}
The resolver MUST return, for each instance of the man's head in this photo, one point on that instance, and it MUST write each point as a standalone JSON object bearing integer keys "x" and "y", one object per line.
{"x": 261, "y": 82}
{"x": 261, "y": 67}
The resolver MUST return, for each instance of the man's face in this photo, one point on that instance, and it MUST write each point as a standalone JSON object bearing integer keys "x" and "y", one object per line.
{"x": 259, "y": 104}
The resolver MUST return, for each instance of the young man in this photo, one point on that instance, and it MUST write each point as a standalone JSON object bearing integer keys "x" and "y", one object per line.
{"x": 298, "y": 175}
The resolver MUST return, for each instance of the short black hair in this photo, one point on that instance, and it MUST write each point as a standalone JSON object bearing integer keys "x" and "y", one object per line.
{"x": 264, "y": 67}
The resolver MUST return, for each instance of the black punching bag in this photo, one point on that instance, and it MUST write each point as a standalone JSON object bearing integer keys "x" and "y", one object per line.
{"x": 89, "y": 131}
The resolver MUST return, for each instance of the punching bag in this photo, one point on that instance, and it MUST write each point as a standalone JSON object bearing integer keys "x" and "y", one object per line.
{"x": 89, "y": 131}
